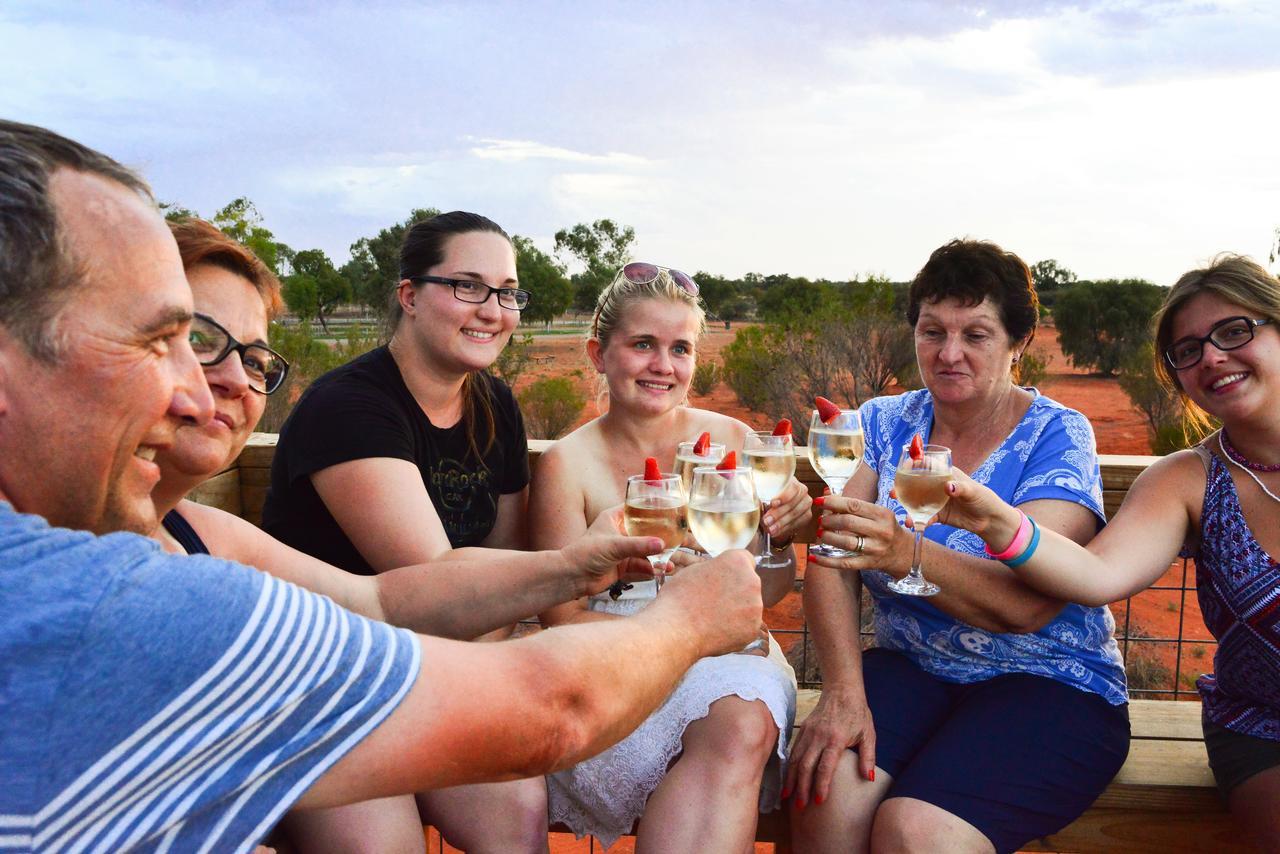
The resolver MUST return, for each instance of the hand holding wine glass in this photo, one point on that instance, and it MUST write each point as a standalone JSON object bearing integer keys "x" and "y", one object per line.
{"x": 655, "y": 507}
{"x": 773, "y": 463}
{"x": 835, "y": 450}
{"x": 724, "y": 510}
{"x": 920, "y": 483}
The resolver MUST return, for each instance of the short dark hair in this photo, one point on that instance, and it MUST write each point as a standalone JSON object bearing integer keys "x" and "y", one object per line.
{"x": 974, "y": 270}
{"x": 37, "y": 269}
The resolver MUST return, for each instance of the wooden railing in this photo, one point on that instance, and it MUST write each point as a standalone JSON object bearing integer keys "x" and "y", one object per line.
{"x": 1163, "y": 799}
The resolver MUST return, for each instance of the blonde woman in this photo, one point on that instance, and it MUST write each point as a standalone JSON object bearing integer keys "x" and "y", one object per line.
{"x": 699, "y": 770}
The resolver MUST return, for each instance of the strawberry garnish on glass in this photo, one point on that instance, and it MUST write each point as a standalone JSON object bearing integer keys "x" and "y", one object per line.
{"x": 703, "y": 445}
{"x": 827, "y": 410}
{"x": 729, "y": 463}
{"x": 782, "y": 428}
{"x": 651, "y": 470}
{"x": 916, "y": 448}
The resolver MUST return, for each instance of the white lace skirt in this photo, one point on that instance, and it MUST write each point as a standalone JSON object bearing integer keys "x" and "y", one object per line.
{"x": 605, "y": 795}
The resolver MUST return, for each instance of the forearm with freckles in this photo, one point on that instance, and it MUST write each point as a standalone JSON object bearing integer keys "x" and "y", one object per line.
{"x": 985, "y": 593}
{"x": 830, "y": 605}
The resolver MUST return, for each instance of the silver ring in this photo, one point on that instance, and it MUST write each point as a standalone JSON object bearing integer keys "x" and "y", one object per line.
{"x": 861, "y": 542}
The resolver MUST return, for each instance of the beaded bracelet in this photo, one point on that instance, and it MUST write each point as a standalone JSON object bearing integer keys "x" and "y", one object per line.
{"x": 1020, "y": 540}
{"x": 1018, "y": 561}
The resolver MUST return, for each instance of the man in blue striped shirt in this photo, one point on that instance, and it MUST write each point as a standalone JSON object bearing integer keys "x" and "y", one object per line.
{"x": 153, "y": 702}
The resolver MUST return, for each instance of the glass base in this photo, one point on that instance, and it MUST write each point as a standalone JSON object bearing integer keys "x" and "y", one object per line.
{"x": 772, "y": 561}
{"x": 824, "y": 550}
{"x": 909, "y": 586}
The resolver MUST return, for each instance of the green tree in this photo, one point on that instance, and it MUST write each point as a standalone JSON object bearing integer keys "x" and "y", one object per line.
{"x": 241, "y": 221}
{"x": 174, "y": 212}
{"x": 1101, "y": 323}
{"x": 315, "y": 288}
{"x": 375, "y": 262}
{"x": 1168, "y": 427}
{"x": 551, "y": 406}
{"x": 552, "y": 292}
{"x": 785, "y": 297}
{"x": 602, "y": 248}
{"x": 1050, "y": 278}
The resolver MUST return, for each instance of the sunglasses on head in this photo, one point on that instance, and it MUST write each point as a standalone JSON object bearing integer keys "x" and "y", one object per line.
{"x": 642, "y": 273}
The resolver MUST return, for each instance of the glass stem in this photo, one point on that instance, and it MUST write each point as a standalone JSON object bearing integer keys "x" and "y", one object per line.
{"x": 915, "y": 573}
{"x": 658, "y": 561}
{"x": 768, "y": 543}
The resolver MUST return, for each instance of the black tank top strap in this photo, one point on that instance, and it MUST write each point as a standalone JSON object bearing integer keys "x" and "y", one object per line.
{"x": 180, "y": 529}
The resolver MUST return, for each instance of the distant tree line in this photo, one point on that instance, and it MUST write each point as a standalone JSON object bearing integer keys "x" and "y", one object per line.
{"x": 846, "y": 340}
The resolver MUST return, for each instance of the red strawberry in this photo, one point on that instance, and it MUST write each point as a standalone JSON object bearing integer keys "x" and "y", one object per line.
{"x": 651, "y": 470}
{"x": 827, "y": 410}
{"x": 702, "y": 446}
{"x": 729, "y": 463}
{"x": 782, "y": 428}
{"x": 917, "y": 447}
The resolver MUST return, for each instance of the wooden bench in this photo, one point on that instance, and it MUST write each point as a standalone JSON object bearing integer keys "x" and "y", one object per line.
{"x": 1163, "y": 799}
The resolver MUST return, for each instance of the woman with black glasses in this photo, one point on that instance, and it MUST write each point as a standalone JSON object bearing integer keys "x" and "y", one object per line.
{"x": 402, "y": 456}
{"x": 1219, "y": 502}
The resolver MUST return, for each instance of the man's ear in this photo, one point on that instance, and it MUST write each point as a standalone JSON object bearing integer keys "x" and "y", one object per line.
{"x": 10, "y": 350}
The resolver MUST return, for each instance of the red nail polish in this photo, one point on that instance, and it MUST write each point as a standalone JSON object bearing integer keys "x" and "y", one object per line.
{"x": 786, "y": 793}
{"x": 800, "y": 805}
{"x": 871, "y": 776}
{"x": 817, "y": 800}
{"x": 819, "y": 501}
{"x": 819, "y": 534}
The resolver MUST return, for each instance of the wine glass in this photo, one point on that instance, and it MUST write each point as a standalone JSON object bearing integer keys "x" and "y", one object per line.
{"x": 687, "y": 460}
{"x": 835, "y": 450}
{"x": 724, "y": 512}
{"x": 921, "y": 485}
{"x": 656, "y": 508}
{"x": 773, "y": 462}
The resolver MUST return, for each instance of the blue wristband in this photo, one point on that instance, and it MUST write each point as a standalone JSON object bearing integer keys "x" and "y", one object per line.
{"x": 1015, "y": 562}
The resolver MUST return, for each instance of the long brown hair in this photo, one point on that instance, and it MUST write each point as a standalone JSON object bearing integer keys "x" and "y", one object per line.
{"x": 423, "y": 248}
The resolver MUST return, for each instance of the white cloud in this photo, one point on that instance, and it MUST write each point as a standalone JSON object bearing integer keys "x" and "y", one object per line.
{"x": 518, "y": 150}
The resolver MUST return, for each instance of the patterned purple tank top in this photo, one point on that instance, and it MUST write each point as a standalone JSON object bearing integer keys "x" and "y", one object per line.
{"x": 1238, "y": 585}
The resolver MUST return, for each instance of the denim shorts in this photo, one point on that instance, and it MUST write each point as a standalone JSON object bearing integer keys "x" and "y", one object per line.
{"x": 1235, "y": 757}
{"x": 1018, "y": 757}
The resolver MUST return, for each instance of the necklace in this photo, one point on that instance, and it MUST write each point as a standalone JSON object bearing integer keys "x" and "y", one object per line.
{"x": 1245, "y": 469}
{"x": 1224, "y": 442}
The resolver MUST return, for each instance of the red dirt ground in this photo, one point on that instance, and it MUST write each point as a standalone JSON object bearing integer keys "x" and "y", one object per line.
{"x": 1120, "y": 429}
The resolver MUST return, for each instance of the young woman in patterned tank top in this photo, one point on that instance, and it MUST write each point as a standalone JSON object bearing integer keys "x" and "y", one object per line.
{"x": 1218, "y": 342}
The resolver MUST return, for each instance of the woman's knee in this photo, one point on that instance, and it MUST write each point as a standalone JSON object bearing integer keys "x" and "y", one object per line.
{"x": 737, "y": 728}
{"x": 908, "y": 824}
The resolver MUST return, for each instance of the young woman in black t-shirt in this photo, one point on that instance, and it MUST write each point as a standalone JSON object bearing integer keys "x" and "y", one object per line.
{"x": 403, "y": 455}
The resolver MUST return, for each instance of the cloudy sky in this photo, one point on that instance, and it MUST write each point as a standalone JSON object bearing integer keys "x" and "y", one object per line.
{"x": 816, "y": 138}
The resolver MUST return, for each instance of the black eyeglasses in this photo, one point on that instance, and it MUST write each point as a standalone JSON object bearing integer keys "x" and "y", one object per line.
{"x": 265, "y": 368}
{"x": 1230, "y": 334}
{"x": 478, "y": 292}
{"x": 642, "y": 273}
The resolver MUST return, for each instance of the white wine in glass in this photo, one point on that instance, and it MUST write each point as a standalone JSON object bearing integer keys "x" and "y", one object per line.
{"x": 773, "y": 462}
{"x": 835, "y": 450}
{"x": 920, "y": 482}
{"x": 687, "y": 460}
{"x": 724, "y": 511}
{"x": 656, "y": 508}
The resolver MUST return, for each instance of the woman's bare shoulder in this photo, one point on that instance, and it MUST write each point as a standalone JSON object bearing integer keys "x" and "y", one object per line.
{"x": 721, "y": 427}
{"x": 225, "y": 534}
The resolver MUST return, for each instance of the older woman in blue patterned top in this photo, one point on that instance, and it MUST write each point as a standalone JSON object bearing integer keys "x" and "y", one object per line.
{"x": 990, "y": 714}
